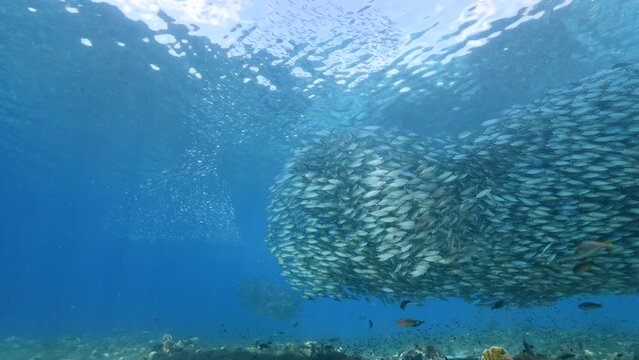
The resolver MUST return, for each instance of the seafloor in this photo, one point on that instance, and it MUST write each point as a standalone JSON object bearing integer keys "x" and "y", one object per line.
{"x": 544, "y": 344}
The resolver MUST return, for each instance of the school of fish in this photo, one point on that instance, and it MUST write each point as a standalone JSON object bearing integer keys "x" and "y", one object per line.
{"x": 505, "y": 213}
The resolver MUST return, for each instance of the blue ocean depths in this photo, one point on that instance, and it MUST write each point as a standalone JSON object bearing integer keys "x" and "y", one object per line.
{"x": 139, "y": 139}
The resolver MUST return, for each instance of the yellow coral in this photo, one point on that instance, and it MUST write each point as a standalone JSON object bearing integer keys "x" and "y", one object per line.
{"x": 496, "y": 353}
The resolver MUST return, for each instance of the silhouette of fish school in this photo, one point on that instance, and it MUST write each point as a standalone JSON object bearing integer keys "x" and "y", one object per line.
{"x": 396, "y": 216}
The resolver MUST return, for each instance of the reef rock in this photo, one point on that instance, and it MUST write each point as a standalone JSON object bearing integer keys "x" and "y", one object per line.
{"x": 496, "y": 353}
{"x": 422, "y": 353}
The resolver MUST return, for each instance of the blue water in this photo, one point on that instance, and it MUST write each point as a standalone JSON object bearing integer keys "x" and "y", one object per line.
{"x": 135, "y": 199}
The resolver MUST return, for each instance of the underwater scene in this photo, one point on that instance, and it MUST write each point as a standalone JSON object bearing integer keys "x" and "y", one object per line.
{"x": 319, "y": 179}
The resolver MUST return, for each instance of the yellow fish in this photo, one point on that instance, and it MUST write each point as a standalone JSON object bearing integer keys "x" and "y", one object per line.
{"x": 408, "y": 322}
{"x": 583, "y": 267}
{"x": 588, "y": 248}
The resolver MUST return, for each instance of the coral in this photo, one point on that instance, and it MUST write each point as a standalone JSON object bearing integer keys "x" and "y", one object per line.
{"x": 168, "y": 346}
{"x": 496, "y": 353}
{"x": 413, "y": 354}
{"x": 422, "y": 353}
{"x": 169, "y": 349}
{"x": 315, "y": 350}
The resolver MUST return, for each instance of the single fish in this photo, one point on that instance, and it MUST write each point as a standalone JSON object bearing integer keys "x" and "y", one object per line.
{"x": 262, "y": 345}
{"x": 589, "y": 306}
{"x": 408, "y": 322}
{"x": 403, "y": 304}
{"x": 588, "y": 248}
{"x": 528, "y": 348}
{"x": 370, "y": 323}
{"x": 498, "y": 305}
{"x": 621, "y": 65}
{"x": 583, "y": 267}
{"x": 566, "y": 356}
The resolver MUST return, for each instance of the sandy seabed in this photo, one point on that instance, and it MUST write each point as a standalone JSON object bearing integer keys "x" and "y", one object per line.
{"x": 545, "y": 344}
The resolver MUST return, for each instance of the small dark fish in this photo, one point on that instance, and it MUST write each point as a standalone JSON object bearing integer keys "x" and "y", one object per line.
{"x": 566, "y": 356}
{"x": 408, "y": 322}
{"x": 295, "y": 325}
{"x": 262, "y": 345}
{"x": 603, "y": 104}
{"x": 619, "y": 355}
{"x": 370, "y": 323}
{"x": 589, "y": 306}
{"x": 528, "y": 348}
{"x": 403, "y": 304}
{"x": 621, "y": 65}
{"x": 334, "y": 339}
{"x": 583, "y": 267}
{"x": 498, "y": 305}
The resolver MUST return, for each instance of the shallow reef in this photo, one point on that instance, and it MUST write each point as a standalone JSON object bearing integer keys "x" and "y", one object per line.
{"x": 487, "y": 345}
{"x": 187, "y": 350}
{"x": 169, "y": 349}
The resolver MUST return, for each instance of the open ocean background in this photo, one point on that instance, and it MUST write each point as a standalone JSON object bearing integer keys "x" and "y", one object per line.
{"x": 134, "y": 177}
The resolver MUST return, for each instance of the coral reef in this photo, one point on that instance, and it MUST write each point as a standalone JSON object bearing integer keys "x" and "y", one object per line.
{"x": 499, "y": 353}
{"x": 496, "y": 353}
{"x": 422, "y": 353}
{"x": 568, "y": 345}
{"x": 168, "y": 349}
